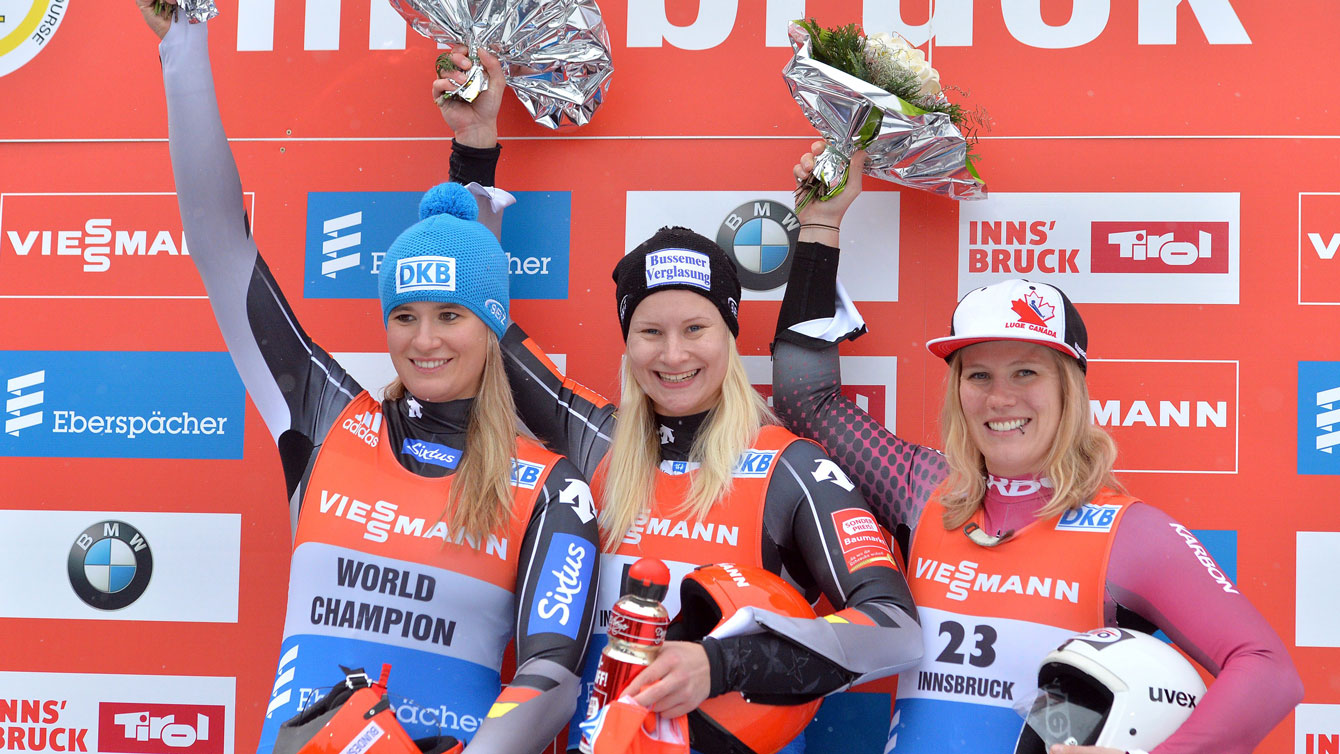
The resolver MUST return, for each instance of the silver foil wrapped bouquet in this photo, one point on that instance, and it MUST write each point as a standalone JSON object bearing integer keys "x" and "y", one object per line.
{"x": 197, "y": 11}
{"x": 878, "y": 93}
{"x": 554, "y": 53}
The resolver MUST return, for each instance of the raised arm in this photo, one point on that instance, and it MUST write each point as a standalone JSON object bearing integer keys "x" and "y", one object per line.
{"x": 555, "y": 605}
{"x": 895, "y": 476}
{"x": 297, "y": 387}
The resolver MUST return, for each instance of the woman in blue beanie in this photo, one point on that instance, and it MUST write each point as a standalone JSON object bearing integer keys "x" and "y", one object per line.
{"x": 427, "y": 534}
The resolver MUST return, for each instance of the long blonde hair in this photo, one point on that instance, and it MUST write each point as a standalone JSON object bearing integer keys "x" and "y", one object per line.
{"x": 1078, "y": 464}
{"x": 480, "y": 501}
{"x": 634, "y": 456}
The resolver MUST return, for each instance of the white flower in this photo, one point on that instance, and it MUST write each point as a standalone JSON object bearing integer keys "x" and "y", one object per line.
{"x": 887, "y": 55}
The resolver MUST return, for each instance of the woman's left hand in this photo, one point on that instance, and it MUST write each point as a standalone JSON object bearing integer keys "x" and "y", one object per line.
{"x": 1062, "y": 749}
{"x": 676, "y": 682}
{"x": 474, "y": 124}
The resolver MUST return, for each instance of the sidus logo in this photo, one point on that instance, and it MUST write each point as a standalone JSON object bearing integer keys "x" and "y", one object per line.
{"x": 333, "y": 246}
{"x": 567, "y": 574}
{"x": 24, "y": 398}
{"x": 1125, "y": 247}
{"x": 1172, "y": 696}
{"x": 951, "y": 23}
{"x": 365, "y": 426}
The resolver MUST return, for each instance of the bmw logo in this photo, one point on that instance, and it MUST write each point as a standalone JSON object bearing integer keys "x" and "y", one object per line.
{"x": 110, "y": 565}
{"x": 760, "y": 236}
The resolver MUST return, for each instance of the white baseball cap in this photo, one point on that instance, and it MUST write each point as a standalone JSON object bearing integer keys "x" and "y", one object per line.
{"x": 1016, "y": 310}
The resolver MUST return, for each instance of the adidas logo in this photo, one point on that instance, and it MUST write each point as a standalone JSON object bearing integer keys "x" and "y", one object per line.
{"x": 365, "y": 426}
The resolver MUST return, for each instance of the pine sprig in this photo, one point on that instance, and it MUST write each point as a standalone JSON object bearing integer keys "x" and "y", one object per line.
{"x": 164, "y": 9}
{"x": 842, "y": 47}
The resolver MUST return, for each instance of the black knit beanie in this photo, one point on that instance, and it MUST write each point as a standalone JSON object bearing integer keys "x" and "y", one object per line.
{"x": 677, "y": 259}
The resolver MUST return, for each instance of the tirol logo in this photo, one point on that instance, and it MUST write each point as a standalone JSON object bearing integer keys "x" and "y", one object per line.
{"x": 128, "y": 245}
{"x": 110, "y": 565}
{"x": 1168, "y": 416}
{"x": 1159, "y": 247}
{"x": 1318, "y": 417}
{"x": 560, "y": 593}
{"x": 760, "y": 236}
{"x": 425, "y": 273}
{"x": 348, "y": 234}
{"x": 161, "y": 728}
{"x": 678, "y": 267}
{"x": 107, "y": 404}
{"x": 1134, "y": 248}
{"x": 26, "y": 26}
{"x": 1089, "y": 517}
{"x": 1319, "y": 248}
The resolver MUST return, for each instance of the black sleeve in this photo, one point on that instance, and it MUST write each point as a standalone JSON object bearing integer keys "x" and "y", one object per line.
{"x": 896, "y": 477}
{"x": 558, "y": 569}
{"x": 567, "y": 417}
{"x": 875, "y": 633}
{"x": 474, "y": 165}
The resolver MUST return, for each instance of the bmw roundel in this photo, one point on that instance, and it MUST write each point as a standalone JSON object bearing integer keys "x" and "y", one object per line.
{"x": 110, "y": 565}
{"x": 760, "y": 237}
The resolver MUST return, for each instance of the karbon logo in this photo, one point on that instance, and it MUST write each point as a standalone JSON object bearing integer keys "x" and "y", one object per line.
{"x": 160, "y": 728}
{"x": 110, "y": 565}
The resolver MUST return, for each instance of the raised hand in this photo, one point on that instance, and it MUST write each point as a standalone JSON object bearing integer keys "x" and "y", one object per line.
{"x": 155, "y": 16}
{"x": 475, "y": 124}
{"x": 819, "y": 220}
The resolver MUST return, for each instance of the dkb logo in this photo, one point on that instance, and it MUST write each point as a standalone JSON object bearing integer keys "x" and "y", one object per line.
{"x": 426, "y": 273}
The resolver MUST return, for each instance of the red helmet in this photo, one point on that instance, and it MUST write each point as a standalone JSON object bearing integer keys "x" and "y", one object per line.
{"x": 728, "y": 723}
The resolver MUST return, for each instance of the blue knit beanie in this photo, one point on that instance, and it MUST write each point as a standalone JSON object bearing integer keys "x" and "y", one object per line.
{"x": 449, "y": 257}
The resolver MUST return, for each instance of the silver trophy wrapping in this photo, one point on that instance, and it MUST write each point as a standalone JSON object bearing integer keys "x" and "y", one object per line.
{"x": 196, "y": 11}
{"x": 905, "y": 144}
{"x": 554, "y": 53}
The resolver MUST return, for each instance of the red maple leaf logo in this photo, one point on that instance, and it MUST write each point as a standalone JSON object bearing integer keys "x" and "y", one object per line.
{"x": 1033, "y": 310}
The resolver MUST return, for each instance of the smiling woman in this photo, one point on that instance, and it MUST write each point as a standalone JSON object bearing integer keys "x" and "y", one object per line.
{"x": 1019, "y": 535}
{"x": 431, "y": 485}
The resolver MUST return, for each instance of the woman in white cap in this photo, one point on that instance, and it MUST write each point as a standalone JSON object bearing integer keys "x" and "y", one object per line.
{"x": 1018, "y": 535}
{"x": 427, "y": 534}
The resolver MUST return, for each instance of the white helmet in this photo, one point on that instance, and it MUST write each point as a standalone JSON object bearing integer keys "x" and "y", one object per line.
{"x": 1110, "y": 687}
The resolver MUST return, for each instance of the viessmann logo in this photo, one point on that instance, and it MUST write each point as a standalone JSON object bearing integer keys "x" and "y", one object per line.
{"x": 108, "y": 404}
{"x": 1118, "y": 248}
{"x": 1168, "y": 415}
{"x": 95, "y": 244}
{"x": 348, "y": 234}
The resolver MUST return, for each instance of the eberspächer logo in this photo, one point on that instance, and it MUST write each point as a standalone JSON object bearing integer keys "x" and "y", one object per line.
{"x": 110, "y": 565}
{"x": 348, "y": 233}
{"x": 112, "y": 404}
{"x": 1318, "y": 417}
